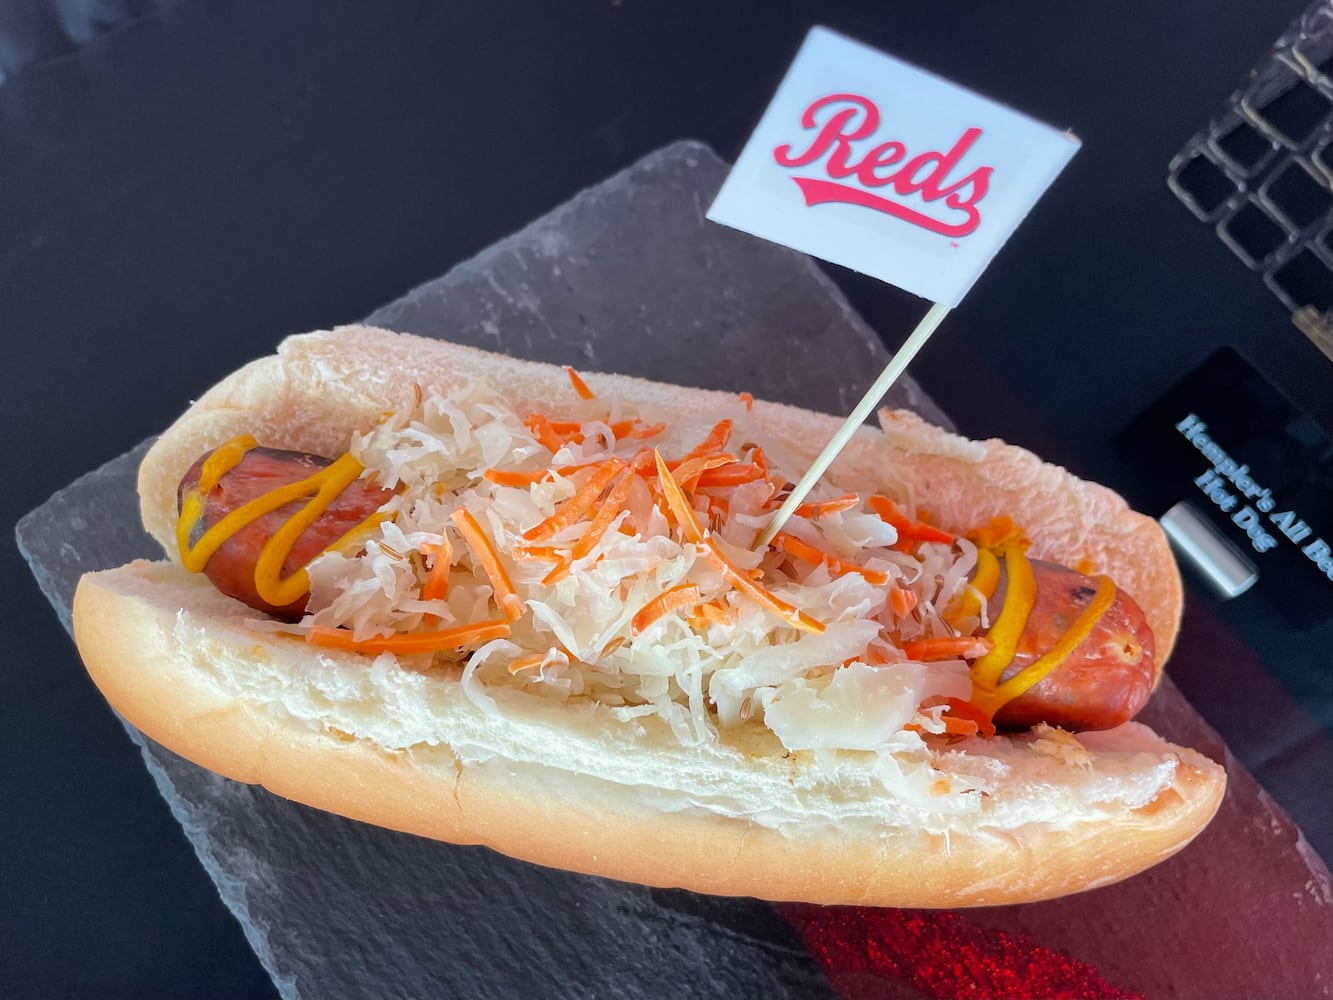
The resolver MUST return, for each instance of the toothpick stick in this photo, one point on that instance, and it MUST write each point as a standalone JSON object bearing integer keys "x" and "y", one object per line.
{"x": 869, "y": 401}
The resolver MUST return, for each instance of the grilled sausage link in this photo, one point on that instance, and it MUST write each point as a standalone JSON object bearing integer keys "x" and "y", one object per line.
{"x": 1108, "y": 677}
{"x": 260, "y": 470}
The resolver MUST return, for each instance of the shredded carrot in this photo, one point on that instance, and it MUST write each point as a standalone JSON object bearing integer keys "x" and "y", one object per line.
{"x": 684, "y": 596}
{"x": 715, "y": 612}
{"x": 512, "y": 477}
{"x": 606, "y": 514}
{"x": 729, "y": 475}
{"x": 484, "y": 552}
{"x": 801, "y": 550}
{"x": 567, "y": 471}
{"x": 717, "y": 440}
{"x": 888, "y": 512}
{"x": 573, "y": 430}
{"x": 561, "y": 647}
{"x": 437, "y": 584}
{"x": 909, "y": 532}
{"x": 901, "y": 601}
{"x": 814, "y": 511}
{"x": 739, "y": 579}
{"x": 952, "y": 726}
{"x": 543, "y": 431}
{"x": 804, "y": 550}
{"x": 678, "y": 504}
{"x": 639, "y": 503}
{"x": 643, "y": 463}
{"x": 546, "y": 552}
{"x": 559, "y": 571}
{"x": 961, "y": 718}
{"x": 573, "y": 509}
{"x": 635, "y": 429}
{"x": 875, "y": 657}
{"x": 687, "y": 473}
{"x": 948, "y": 648}
{"x": 412, "y": 642}
{"x": 526, "y": 662}
{"x": 720, "y": 612}
{"x": 613, "y": 645}
{"x": 644, "y": 431}
{"x": 748, "y": 401}
{"x": 759, "y": 459}
{"x": 580, "y": 386}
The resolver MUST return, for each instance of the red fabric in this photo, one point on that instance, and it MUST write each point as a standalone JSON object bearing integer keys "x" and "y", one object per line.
{"x": 938, "y": 954}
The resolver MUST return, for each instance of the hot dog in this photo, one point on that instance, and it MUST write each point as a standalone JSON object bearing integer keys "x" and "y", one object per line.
{"x": 535, "y": 620}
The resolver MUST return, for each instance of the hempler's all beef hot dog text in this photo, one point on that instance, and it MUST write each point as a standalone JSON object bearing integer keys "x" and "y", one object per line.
{"x": 491, "y": 601}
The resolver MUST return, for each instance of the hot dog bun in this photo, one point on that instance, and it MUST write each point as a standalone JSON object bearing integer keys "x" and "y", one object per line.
{"x": 568, "y": 786}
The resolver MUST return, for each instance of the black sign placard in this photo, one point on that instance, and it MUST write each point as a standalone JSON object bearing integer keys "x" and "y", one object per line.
{"x": 1228, "y": 442}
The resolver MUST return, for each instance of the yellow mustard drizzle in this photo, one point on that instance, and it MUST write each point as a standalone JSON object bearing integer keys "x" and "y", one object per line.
{"x": 1020, "y": 597}
{"x": 225, "y": 457}
{"x": 988, "y": 574}
{"x": 982, "y": 587}
{"x": 323, "y": 487}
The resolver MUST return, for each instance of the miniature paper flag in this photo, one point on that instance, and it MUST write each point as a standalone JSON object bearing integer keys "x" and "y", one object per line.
{"x": 871, "y": 163}
{"x": 879, "y": 166}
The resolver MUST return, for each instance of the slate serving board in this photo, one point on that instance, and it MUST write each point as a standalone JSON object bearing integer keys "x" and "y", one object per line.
{"x": 629, "y": 277}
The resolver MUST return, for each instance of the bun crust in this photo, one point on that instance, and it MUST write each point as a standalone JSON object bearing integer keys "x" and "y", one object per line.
{"x": 196, "y": 672}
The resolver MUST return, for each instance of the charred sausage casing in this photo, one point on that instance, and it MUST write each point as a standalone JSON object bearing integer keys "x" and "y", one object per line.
{"x": 260, "y": 471}
{"x": 1107, "y": 678}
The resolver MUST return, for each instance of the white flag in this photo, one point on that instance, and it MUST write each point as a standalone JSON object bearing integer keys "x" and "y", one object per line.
{"x": 871, "y": 163}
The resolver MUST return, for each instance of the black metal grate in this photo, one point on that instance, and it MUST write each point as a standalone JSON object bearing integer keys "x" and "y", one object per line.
{"x": 1261, "y": 173}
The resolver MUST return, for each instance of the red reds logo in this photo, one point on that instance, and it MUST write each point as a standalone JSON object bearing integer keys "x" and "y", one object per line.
{"x": 851, "y": 117}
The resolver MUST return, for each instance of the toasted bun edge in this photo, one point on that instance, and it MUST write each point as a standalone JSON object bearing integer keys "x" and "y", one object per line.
{"x": 553, "y": 816}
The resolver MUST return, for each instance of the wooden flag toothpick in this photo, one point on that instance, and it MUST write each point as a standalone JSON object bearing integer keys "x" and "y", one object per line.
{"x": 896, "y": 366}
{"x": 868, "y": 162}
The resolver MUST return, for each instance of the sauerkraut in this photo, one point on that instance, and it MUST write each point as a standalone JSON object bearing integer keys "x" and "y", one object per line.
{"x": 715, "y": 657}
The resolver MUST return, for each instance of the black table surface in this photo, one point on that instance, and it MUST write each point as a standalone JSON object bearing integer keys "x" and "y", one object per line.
{"x": 214, "y": 174}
